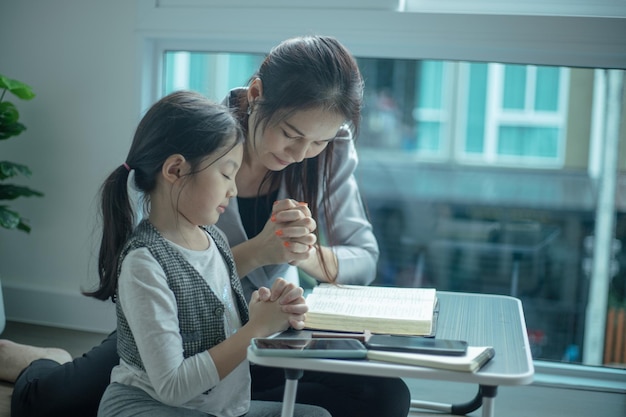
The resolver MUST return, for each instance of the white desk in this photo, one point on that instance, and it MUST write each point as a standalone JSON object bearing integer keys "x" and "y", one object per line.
{"x": 482, "y": 320}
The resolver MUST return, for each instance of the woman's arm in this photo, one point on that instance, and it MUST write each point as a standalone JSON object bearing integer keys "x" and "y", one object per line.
{"x": 286, "y": 238}
{"x": 354, "y": 253}
{"x": 353, "y": 256}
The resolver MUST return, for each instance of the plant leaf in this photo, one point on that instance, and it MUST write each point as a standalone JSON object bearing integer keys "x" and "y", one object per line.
{"x": 18, "y": 88}
{"x": 23, "y": 226}
{"x": 11, "y": 169}
{"x": 9, "y": 130}
{"x": 11, "y": 192}
{"x": 9, "y": 219}
{"x": 9, "y": 124}
{"x": 8, "y": 113}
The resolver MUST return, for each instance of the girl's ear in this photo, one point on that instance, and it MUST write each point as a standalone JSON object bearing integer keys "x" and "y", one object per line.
{"x": 174, "y": 167}
{"x": 255, "y": 90}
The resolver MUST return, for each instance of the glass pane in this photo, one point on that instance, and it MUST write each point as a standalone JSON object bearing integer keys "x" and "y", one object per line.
{"x": 514, "y": 96}
{"x": 210, "y": 74}
{"x": 528, "y": 141}
{"x": 176, "y": 71}
{"x": 241, "y": 67}
{"x": 476, "y": 108}
{"x": 430, "y": 86}
{"x": 547, "y": 89}
{"x": 428, "y": 136}
{"x": 383, "y": 123}
{"x": 198, "y": 71}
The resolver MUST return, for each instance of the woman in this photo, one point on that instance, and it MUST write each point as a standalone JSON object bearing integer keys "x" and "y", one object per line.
{"x": 300, "y": 113}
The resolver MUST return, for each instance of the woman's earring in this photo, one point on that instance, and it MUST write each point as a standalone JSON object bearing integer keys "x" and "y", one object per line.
{"x": 251, "y": 106}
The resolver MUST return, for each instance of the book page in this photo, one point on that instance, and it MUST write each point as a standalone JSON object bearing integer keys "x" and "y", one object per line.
{"x": 373, "y": 302}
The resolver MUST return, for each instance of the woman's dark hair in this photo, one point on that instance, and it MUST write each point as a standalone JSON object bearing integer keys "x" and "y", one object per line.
{"x": 304, "y": 73}
{"x": 185, "y": 123}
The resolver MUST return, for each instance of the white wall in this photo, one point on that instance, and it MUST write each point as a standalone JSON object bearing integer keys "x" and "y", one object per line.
{"x": 80, "y": 59}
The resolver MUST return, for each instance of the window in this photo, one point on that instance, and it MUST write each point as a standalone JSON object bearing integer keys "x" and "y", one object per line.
{"x": 507, "y": 115}
{"x": 516, "y": 114}
{"x": 438, "y": 143}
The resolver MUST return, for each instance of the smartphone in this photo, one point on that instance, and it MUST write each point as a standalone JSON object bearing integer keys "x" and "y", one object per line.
{"x": 417, "y": 344}
{"x": 309, "y": 348}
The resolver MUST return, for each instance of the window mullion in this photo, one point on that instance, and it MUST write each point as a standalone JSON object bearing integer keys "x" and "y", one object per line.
{"x": 493, "y": 111}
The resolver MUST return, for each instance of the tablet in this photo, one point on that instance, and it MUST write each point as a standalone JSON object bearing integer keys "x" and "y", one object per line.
{"x": 329, "y": 348}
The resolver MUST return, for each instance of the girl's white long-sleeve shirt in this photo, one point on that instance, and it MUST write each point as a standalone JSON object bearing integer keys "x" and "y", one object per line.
{"x": 150, "y": 309}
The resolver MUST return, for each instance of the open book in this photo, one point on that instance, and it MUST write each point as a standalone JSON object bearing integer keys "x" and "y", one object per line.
{"x": 384, "y": 310}
{"x": 472, "y": 361}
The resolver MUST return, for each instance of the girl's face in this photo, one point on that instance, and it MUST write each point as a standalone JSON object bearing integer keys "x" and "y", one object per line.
{"x": 208, "y": 192}
{"x": 304, "y": 134}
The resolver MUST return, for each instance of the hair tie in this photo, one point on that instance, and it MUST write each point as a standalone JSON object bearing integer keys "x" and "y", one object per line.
{"x": 125, "y": 165}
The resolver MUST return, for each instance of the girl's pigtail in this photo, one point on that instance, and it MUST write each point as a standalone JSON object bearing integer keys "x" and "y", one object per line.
{"x": 117, "y": 226}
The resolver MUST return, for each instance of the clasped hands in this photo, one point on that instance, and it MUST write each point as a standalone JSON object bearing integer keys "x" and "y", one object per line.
{"x": 283, "y": 303}
{"x": 287, "y": 237}
{"x": 288, "y": 234}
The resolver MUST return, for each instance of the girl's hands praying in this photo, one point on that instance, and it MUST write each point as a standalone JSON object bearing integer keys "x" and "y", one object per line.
{"x": 289, "y": 297}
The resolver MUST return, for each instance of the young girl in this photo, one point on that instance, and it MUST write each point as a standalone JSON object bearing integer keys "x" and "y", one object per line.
{"x": 183, "y": 321}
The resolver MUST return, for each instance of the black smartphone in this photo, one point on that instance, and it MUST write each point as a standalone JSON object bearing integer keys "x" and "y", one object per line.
{"x": 417, "y": 344}
{"x": 309, "y": 348}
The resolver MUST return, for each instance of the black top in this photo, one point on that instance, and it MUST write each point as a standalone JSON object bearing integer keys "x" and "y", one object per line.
{"x": 255, "y": 211}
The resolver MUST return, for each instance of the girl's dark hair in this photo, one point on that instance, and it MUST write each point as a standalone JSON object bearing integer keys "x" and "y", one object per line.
{"x": 305, "y": 73}
{"x": 185, "y": 123}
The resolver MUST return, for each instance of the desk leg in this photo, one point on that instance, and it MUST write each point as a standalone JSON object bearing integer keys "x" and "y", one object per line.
{"x": 459, "y": 409}
{"x": 489, "y": 397}
{"x": 468, "y": 407}
{"x": 484, "y": 397}
{"x": 291, "y": 386}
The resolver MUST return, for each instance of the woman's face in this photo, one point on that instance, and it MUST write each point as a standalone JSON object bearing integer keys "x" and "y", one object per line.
{"x": 303, "y": 134}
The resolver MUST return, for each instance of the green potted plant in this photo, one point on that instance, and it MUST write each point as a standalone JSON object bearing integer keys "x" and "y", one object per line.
{"x": 10, "y": 126}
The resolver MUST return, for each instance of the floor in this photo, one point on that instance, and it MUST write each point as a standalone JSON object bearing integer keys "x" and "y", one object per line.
{"x": 510, "y": 402}
{"x": 75, "y": 342}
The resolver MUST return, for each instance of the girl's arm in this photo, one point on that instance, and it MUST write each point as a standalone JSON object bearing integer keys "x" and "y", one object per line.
{"x": 150, "y": 309}
{"x": 267, "y": 317}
